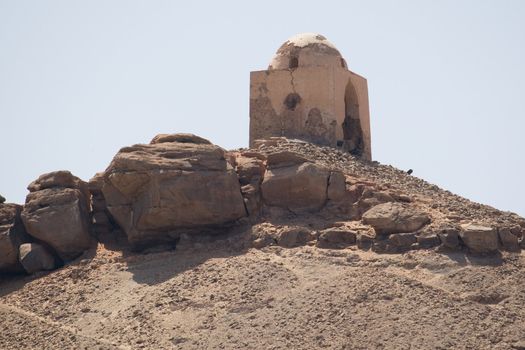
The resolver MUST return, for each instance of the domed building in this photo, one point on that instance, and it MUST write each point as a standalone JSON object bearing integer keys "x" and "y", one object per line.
{"x": 308, "y": 93}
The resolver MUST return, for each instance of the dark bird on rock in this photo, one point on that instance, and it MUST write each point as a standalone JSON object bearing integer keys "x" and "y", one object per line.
{"x": 410, "y": 171}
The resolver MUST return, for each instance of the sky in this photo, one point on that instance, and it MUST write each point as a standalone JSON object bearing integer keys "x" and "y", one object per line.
{"x": 81, "y": 79}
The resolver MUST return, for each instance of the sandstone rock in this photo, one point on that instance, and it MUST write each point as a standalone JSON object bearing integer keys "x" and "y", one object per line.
{"x": 155, "y": 192}
{"x": 509, "y": 239}
{"x": 290, "y": 237}
{"x": 296, "y": 187}
{"x": 336, "y": 186}
{"x": 380, "y": 196}
{"x": 428, "y": 239}
{"x": 179, "y": 138}
{"x": 365, "y": 240}
{"x": 284, "y": 159}
{"x": 249, "y": 169}
{"x": 399, "y": 242}
{"x": 58, "y": 179}
{"x": 390, "y": 218}
{"x": 263, "y": 235}
{"x": 449, "y": 237}
{"x": 56, "y": 212}
{"x": 252, "y": 199}
{"x": 479, "y": 239}
{"x": 103, "y": 227}
{"x": 35, "y": 257}
{"x": 96, "y": 183}
{"x": 12, "y": 234}
{"x": 365, "y": 236}
{"x": 336, "y": 237}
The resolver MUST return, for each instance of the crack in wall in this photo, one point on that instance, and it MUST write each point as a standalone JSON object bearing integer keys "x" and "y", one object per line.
{"x": 292, "y": 82}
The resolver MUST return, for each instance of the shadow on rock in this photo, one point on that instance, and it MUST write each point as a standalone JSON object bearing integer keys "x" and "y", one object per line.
{"x": 466, "y": 258}
{"x": 160, "y": 263}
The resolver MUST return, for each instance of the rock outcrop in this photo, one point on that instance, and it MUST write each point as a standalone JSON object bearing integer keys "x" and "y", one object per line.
{"x": 282, "y": 192}
{"x": 176, "y": 184}
{"x": 12, "y": 234}
{"x": 56, "y": 212}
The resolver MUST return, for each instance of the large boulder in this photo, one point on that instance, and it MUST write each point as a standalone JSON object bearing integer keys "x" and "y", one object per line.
{"x": 12, "y": 234}
{"x": 479, "y": 238}
{"x": 35, "y": 257}
{"x": 393, "y": 217}
{"x": 171, "y": 186}
{"x": 57, "y": 213}
{"x": 293, "y": 183}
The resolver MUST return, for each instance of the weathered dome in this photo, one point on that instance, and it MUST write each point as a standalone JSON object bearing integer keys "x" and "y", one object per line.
{"x": 307, "y": 50}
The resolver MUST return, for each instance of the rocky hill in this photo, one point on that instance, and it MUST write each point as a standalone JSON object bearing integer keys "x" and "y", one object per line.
{"x": 181, "y": 244}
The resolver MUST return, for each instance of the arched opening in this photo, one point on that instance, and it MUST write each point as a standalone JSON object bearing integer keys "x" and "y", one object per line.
{"x": 294, "y": 62}
{"x": 352, "y": 132}
{"x": 291, "y": 101}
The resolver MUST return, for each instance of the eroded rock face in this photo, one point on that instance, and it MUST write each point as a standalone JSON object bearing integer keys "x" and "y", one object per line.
{"x": 35, "y": 257}
{"x": 250, "y": 168}
{"x": 290, "y": 182}
{"x": 103, "y": 225}
{"x": 388, "y": 218}
{"x": 12, "y": 234}
{"x": 478, "y": 238}
{"x": 57, "y": 213}
{"x": 157, "y": 191}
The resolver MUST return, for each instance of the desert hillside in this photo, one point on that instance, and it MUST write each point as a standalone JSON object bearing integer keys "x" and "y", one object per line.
{"x": 180, "y": 244}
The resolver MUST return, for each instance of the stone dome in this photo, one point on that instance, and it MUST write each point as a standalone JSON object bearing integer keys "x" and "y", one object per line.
{"x": 307, "y": 50}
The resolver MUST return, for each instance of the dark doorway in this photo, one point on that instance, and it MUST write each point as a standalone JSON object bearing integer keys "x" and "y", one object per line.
{"x": 352, "y": 132}
{"x": 294, "y": 62}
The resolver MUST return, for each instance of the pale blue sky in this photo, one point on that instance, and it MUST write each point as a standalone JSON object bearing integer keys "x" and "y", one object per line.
{"x": 80, "y": 79}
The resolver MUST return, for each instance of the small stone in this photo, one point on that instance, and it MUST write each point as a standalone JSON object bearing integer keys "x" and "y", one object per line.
{"x": 336, "y": 237}
{"x": 35, "y": 257}
{"x": 428, "y": 240}
{"x": 294, "y": 236}
{"x": 400, "y": 242}
{"x": 365, "y": 240}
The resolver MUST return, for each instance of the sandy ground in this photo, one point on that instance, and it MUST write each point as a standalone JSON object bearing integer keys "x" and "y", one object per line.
{"x": 209, "y": 297}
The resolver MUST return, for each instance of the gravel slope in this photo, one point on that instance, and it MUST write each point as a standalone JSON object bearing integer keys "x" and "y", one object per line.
{"x": 276, "y": 298}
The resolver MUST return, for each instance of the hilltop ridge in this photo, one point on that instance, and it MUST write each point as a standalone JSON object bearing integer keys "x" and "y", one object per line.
{"x": 181, "y": 244}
